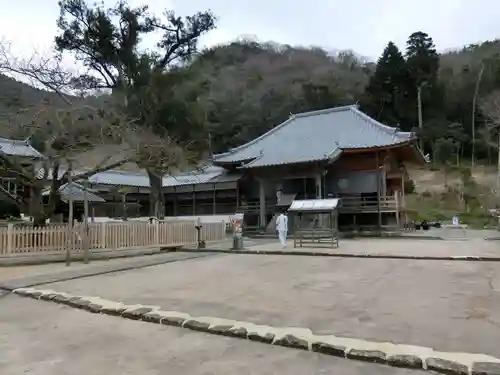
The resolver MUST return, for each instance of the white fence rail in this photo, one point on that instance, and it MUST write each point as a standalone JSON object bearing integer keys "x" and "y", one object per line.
{"x": 55, "y": 239}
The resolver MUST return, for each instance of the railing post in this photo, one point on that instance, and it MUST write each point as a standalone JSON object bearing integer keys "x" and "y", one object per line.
{"x": 10, "y": 234}
{"x": 396, "y": 197}
{"x": 157, "y": 233}
{"x": 103, "y": 235}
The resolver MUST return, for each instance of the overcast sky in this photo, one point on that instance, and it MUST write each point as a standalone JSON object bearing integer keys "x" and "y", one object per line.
{"x": 365, "y": 26}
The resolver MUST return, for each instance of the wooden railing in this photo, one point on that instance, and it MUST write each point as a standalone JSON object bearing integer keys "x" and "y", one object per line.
{"x": 254, "y": 206}
{"x": 54, "y": 239}
{"x": 358, "y": 204}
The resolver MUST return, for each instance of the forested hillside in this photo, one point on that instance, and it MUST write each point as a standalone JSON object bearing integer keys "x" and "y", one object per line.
{"x": 244, "y": 88}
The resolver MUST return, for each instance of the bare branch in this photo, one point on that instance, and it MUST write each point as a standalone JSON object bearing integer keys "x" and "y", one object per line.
{"x": 158, "y": 152}
{"x": 490, "y": 107}
{"x": 45, "y": 71}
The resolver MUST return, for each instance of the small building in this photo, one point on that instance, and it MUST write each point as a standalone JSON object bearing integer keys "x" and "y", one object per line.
{"x": 18, "y": 151}
{"x": 332, "y": 153}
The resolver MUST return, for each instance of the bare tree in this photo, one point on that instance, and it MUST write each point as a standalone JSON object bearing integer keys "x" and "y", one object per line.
{"x": 159, "y": 154}
{"x": 62, "y": 131}
{"x": 490, "y": 107}
{"x": 63, "y": 134}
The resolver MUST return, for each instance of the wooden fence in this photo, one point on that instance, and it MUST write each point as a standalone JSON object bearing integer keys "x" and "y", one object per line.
{"x": 55, "y": 239}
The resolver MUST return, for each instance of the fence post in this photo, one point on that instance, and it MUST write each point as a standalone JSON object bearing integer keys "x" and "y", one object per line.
{"x": 10, "y": 234}
{"x": 157, "y": 233}
{"x": 103, "y": 235}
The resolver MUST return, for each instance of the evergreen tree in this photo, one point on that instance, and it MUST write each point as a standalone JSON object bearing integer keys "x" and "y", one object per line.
{"x": 422, "y": 59}
{"x": 385, "y": 94}
{"x": 423, "y": 65}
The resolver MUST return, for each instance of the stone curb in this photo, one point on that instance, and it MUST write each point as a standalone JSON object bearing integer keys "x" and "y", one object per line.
{"x": 462, "y": 258}
{"x": 407, "y": 356}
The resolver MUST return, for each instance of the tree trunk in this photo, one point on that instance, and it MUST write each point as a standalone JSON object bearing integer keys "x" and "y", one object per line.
{"x": 37, "y": 208}
{"x": 156, "y": 198}
{"x": 474, "y": 100}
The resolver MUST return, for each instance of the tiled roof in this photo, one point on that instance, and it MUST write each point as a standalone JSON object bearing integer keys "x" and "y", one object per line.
{"x": 77, "y": 192}
{"x": 136, "y": 179}
{"x": 18, "y": 148}
{"x": 314, "y": 136}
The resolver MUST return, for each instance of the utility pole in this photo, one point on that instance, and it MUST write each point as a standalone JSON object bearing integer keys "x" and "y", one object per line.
{"x": 86, "y": 249}
{"x": 69, "y": 186}
{"x": 474, "y": 100}
{"x": 420, "y": 121}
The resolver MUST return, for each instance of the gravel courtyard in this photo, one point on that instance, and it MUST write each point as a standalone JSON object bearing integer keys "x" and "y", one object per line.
{"x": 447, "y": 305}
{"x": 398, "y": 247}
{"x": 41, "y": 338}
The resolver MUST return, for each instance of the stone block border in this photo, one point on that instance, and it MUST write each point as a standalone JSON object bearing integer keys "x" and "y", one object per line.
{"x": 407, "y": 356}
{"x": 336, "y": 254}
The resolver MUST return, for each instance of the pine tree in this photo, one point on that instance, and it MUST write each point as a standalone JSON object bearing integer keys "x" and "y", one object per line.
{"x": 422, "y": 59}
{"x": 423, "y": 65}
{"x": 385, "y": 94}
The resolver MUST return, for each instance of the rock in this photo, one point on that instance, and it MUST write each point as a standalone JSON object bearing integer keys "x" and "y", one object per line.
{"x": 93, "y": 308}
{"x": 290, "y": 341}
{"x": 267, "y": 338}
{"x": 176, "y": 321}
{"x": 48, "y": 296}
{"x": 25, "y": 292}
{"x": 446, "y": 367}
{"x": 36, "y": 294}
{"x": 240, "y": 332}
{"x": 136, "y": 313}
{"x": 196, "y": 325}
{"x": 485, "y": 368}
{"x": 375, "y": 356}
{"x": 336, "y": 350}
{"x": 403, "y": 360}
{"x": 79, "y": 303}
{"x": 224, "y": 330}
{"x": 73, "y": 301}
{"x": 228, "y": 330}
{"x": 60, "y": 298}
{"x": 152, "y": 317}
{"x": 113, "y": 310}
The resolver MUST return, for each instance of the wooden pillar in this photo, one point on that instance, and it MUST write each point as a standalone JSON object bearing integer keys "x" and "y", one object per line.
{"x": 305, "y": 187}
{"x": 213, "y": 201}
{"x": 396, "y": 197}
{"x": 319, "y": 189}
{"x": 379, "y": 183}
{"x": 319, "y": 181}
{"x": 403, "y": 196}
{"x": 237, "y": 195}
{"x": 403, "y": 189}
{"x": 124, "y": 206}
{"x": 194, "y": 201}
{"x": 175, "y": 202}
{"x": 262, "y": 204}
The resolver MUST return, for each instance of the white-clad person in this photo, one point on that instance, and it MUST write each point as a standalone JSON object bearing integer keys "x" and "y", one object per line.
{"x": 282, "y": 227}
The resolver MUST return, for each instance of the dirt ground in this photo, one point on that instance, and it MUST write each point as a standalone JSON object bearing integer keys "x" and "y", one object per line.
{"x": 450, "y": 306}
{"x": 398, "y": 247}
{"x": 15, "y": 272}
{"x": 40, "y": 338}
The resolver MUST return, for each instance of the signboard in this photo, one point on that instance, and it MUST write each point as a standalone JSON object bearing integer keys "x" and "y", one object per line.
{"x": 237, "y": 223}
